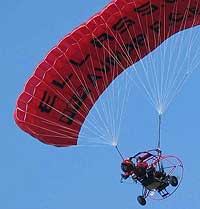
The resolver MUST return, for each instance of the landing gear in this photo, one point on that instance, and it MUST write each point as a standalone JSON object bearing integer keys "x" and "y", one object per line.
{"x": 173, "y": 181}
{"x": 141, "y": 200}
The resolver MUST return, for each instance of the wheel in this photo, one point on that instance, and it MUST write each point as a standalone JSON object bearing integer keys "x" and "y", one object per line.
{"x": 173, "y": 181}
{"x": 141, "y": 200}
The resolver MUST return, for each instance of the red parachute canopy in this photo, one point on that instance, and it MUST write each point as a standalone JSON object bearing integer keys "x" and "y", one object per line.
{"x": 67, "y": 83}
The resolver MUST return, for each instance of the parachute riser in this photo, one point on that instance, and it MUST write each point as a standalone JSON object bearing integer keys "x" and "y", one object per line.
{"x": 160, "y": 164}
{"x": 159, "y": 132}
{"x": 119, "y": 152}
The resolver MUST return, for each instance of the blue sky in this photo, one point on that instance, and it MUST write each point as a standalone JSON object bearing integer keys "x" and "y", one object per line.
{"x": 38, "y": 176}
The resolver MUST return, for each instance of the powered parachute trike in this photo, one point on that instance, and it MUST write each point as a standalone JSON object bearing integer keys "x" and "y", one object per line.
{"x": 159, "y": 175}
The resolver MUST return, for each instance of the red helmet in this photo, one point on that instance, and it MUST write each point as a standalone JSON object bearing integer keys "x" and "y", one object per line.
{"x": 127, "y": 165}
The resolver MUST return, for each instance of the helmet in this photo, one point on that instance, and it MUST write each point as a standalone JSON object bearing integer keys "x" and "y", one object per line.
{"x": 127, "y": 166}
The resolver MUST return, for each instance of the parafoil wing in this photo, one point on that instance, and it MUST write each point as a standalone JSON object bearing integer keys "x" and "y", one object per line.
{"x": 67, "y": 83}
